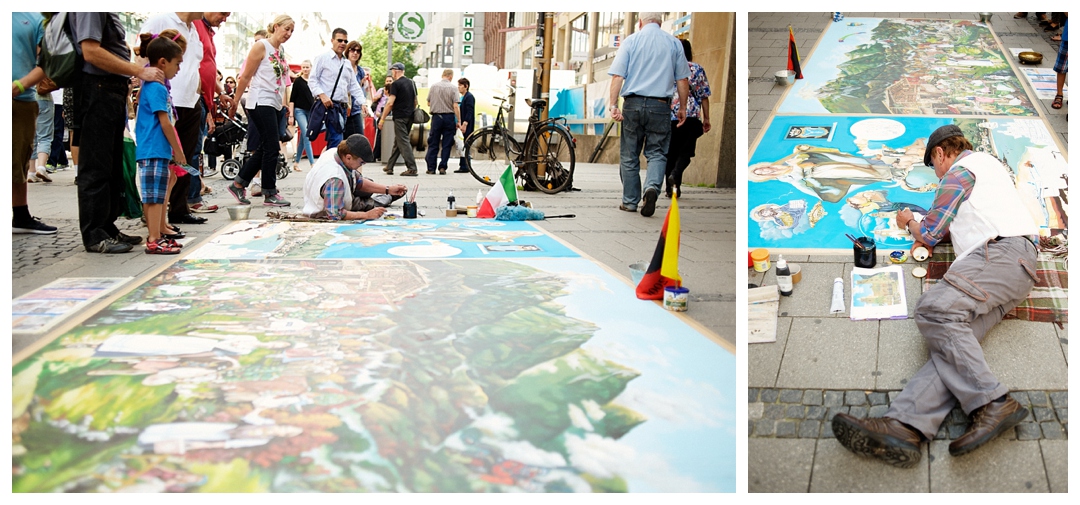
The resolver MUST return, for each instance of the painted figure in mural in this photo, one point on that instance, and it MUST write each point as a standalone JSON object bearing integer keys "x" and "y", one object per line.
{"x": 829, "y": 173}
{"x": 978, "y": 206}
{"x": 783, "y": 221}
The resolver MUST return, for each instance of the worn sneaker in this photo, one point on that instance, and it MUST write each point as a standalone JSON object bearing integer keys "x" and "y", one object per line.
{"x": 256, "y": 189}
{"x": 238, "y": 194}
{"x": 33, "y": 225}
{"x": 203, "y": 208}
{"x": 161, "y": 247}
{"x": 128, "y": 239}
{"x": 649, "y": 207}
{"x": 51, "y": 169}
{"x": 43, "y": 175}
{"x": 275, "y": 200}
{"x": 109, "y": 246}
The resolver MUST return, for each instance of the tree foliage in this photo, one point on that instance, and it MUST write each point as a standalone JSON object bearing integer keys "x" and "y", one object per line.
{"x": 374, "y": 41}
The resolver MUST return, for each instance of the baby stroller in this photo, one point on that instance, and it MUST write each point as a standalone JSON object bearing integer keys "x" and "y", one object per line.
{"x": 231, "y": 137}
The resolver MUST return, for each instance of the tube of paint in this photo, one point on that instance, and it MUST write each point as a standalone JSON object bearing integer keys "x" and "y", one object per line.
{"x": 837, "y": 296}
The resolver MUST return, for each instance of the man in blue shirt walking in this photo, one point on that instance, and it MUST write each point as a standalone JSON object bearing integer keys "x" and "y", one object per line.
{"x": 647, "y": 70}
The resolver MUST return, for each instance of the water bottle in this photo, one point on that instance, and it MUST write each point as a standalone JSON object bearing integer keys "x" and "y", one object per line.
{"x": 783, "y": 276}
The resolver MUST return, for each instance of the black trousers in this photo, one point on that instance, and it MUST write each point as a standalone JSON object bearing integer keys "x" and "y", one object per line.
{"x": 188, "y": 125}
{"x": 57, "y": 154}
{"x": 681, "y": 149}
{"x": 101, "y": 102}
{"x": 264, "y": 119}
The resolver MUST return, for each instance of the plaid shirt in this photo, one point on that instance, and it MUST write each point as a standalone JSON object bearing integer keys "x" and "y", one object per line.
{"x": 954, "y": 188}
{"x": 336, "y": 196}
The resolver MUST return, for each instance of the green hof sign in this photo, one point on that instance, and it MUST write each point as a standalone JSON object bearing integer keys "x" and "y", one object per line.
{"x": 410, "y": 27}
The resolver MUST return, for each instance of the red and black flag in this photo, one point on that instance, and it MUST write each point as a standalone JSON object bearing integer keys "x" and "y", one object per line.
{"x": 663, "y": 270}
{"x": 793, "y": 55}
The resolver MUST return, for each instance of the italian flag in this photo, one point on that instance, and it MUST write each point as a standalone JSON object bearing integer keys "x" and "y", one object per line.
{"x": 502, "y": 193}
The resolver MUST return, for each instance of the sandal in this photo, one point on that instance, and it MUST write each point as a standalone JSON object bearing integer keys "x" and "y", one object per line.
{"x": 1020, "y": 15}
{"x": 1056, "y": 38}
{"x": 1058, "y": 99}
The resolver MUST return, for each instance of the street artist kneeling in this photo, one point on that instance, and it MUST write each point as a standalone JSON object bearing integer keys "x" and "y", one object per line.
{"x": 336, "y": 189}
{"x": 994, "y": 236}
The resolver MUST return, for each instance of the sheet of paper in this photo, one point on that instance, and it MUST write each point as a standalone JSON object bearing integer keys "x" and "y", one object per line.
{"x": 878, "y": 293}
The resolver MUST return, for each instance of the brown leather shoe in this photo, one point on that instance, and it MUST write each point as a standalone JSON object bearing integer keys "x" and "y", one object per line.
{"x": 987, "y": 422}
{"x": 883, "y": 438}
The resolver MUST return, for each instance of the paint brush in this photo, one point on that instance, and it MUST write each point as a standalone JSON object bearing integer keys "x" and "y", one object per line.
{"x": 855, "y": 241}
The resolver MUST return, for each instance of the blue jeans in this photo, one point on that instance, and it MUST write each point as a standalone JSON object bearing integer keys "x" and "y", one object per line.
{"x": 303, "y": 144}
{"x": 646, "y": 124}
{"x": 44, "y": 134}
{"x": 354, "y": 125}
{"x": 442, "y": 135}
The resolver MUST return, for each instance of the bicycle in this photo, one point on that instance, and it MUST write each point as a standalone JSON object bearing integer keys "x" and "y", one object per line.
{"x": 491, "y": 149}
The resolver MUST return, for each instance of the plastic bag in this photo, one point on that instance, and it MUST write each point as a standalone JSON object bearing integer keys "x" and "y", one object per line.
{"x": 459, "y": 140}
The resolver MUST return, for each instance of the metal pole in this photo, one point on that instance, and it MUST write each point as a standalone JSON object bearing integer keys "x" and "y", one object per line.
{"x": 389, "y": 40}
{"x": 545, "y": 83}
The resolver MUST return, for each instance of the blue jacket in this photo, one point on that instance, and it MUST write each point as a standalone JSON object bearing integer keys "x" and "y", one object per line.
{"x": 320, "y": 116}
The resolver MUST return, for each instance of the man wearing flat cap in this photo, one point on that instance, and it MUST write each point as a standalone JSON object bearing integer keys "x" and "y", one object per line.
{"x": 994, "y": 237}
{"x": 335, "y": 188}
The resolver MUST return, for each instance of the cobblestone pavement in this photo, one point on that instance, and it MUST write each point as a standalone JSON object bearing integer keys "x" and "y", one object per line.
{"x": 799, "y": 413}
{"x": 30, "y": 253}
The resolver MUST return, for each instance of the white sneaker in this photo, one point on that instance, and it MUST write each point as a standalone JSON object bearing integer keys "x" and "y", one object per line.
{"x": 43, "y": 175}
{"x": 256, "y": 189}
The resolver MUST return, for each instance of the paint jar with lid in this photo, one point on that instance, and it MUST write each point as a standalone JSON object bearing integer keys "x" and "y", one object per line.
{"x": 676, "y": 299}
{"x": 760, "y": 258}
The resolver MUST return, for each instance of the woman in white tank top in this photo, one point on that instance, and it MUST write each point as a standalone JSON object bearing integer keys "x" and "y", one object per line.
{"x": 265, "y": 71}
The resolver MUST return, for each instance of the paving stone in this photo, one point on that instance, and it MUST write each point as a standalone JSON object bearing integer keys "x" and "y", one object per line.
{"x": 854, "y": 398}
{"x": 790, "y": 396}
{"x": 785, "y": 429}
{"x": 835, "y": 410}
{"x": 769, "y": 395}
{"x": 779, "y": 466}
{"x": 1043, "y": 414}
{"x": 1060, "y": 399}
{"x": 1021, "y": 397}
{"x": 752, "y": 395}
{"x": 766, "y": 428}
{"x": 942, "y": 432}
{"x": 1054, "y": 453}
{"x": 955, "y": 431}
{"x": 796, "y": 412}
{"x": 878, "y": 410}
{"x": 1052, "y": 431}
{"x": 774, "y": 411}
{"x": 893, "y": 395}
{"x": 858, "y": 412}
{"x": 809, "y": 429}
{"x": 755, "y": 410}
{"x": 834, "y": 398}
{"x": 812, "y": 397}
{"x": 815, "y": 412}
{"x": 1028, "y": 431}
{"x": 956, "y": 416}
{"x": 826, "y": 430}
{"x": 1000, "y": 466}
{"x": 1062, "y": 415}
{"x": 1038, "y": 399}
{"x": 878, "y": 398}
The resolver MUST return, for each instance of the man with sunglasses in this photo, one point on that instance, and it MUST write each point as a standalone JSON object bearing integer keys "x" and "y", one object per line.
{"x": 994, "y": 237}
{"x": 336, "y": 189}
{"x": 332, "y": 80}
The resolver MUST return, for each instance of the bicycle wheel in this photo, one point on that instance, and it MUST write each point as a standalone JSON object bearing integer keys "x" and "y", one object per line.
{"x": 553, "y": 148}
{"x": 230, "y": 168}
{"x": 487, "y": 154}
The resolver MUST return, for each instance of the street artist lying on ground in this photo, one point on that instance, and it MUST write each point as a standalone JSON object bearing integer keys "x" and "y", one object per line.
{"x": 979, "y": 207}
{"x": 335, "y": 188}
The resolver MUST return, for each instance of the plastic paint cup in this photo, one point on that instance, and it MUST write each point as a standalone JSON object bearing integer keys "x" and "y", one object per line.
{"x": 865, "y": 256}
{"x": 409, "y": 210}
{"x": 676, "y": 299}
{"x": 760, "y": 257}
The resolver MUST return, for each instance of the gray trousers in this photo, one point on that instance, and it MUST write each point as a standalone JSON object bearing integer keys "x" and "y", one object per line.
{"x": 402, "y": 128}
{"x": 953, "y": 317}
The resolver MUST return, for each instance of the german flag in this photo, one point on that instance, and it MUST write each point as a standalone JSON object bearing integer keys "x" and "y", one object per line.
{"x": 793, "y": 55}
{"x": 663, "y": 270}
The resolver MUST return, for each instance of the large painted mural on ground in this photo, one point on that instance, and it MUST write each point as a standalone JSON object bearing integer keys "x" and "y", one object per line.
{"x": 814, "y": 178}
{"x": 908, "y": 66}
{"x": 377, "y": 375}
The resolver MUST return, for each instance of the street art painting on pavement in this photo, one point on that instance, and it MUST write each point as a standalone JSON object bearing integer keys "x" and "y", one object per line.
{"x": 42, "y": 309}
{"x": 398, "y": 238}
{"x": 807, "y": 193}
{"x": 449, "y": 375}
{"x": 908, "y": 66}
